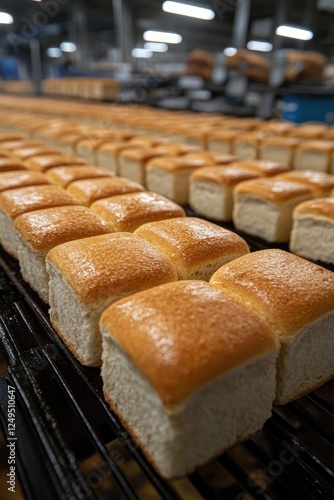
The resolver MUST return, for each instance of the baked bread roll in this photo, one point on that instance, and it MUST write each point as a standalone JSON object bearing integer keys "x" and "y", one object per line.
{"x": 18, "y": 179}
{"x": 129, "y": 211}
{"x": 132, "y": 162}
{"x": 211, "y": 190}
{"x": 169, "y": 176}
{"x": 187, "y": 389}
{"x": 7, "y": 137}
{"x": 279, "y": 149}
{"x": 10, "y": 146}
{"x": 15, "y": 202}
{"x": 87, "y": 147}
{"x": 246, "y": 146}
{"x": 320, "y": 183}
{"x": 63, "y": 176}
{"x": 24, "y": 154}
{"x": 296, "y": 298}
{"x": 263, "y": 168}
{"x": 9, "y": 165}
{"x": 312, "y": 234}
{"x": 308, "y": 131}
{"x": 43, "y": 162}
{"x": 314, "y": 155}
{"x": 273, "y": 127}
{"x": 87, "y": 191}
{"x": 196, "y": 247}
{"x": 221, "y": 141}
{"x": 107, "y": 155}
{"x": 263, "y": 207}
{"x": 38, "y": 232}
{"x": 211, "y": 158}
{"x": 88, "y": 275}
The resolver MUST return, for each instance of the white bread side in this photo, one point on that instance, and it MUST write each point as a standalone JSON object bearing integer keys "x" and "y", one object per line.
{"x": 192, "y": 389}
{"x": 263, "y": 207}
{"x": 87, "y": 275}
{"x": 296, "y": 298}
{"x": 312, "y": 234}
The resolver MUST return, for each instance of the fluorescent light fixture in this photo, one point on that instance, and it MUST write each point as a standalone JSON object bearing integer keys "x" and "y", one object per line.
{"x": 260, "y": 46}
{"x": 156, "y": 47}
{"x": 184, "y": 9}
{"x": 293, "y": 32}
{"x": 6, "y": 18}
{"x": 53, "y": 52}
{"x": 144, "y": 53}
{"x": 68, "y": 47}
{"x": 162, "y": 36}
{"x": 230, "y": 51}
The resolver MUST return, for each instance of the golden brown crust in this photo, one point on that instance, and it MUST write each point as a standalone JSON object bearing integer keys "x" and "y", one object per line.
{"x": 24, "y": 143}
{"x": 9, "y": 165}
{"x": 320, "y": 207}
{"x": 111, "y": 265}
{"x": 146, "y": 141}
{"x": 223, "y": 176}
{"x": 176, "y": 339}
{"x": 26, "y": 153}
{"x": 140, "y": 154}
{"x": 324, "y": 146}
{"x": 264, "y": 168}
{"x": 273, "y": 190}
{"x": 321, "y": 182}
{"x": 308, "y": 130}
{"x": 6, "y": 137}
{"x": 189, "y": 241}
{"x": 12, "y": 180}
{"x": 275, "y": 127}
{"x": 224, "y": 134}
{"x": 288, "y": 142}
{"x": 115, "y": 147}
{"x": 177, "y": 164}
{"x": 18, "y": 201}
{"x": 44, "y": 229}
{"x": 91, "y": 190}
{"x": 43, "y": 163}
{"x": 127, "y": 212}
{"x": 65, "y": 175}
{"x": 288, "y": 291}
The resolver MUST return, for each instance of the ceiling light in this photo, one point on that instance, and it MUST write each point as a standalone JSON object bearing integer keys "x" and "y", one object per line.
{"x": 162, "y": 36}
{"x": 53, "y": 52}
{"x": 260, "y": 46}
{"x": 156, "y": 47}
{"x": 184, "y": 9}
{"x": 141, "y": 53}
{"x": 68, "y": 47}
{"x": 230, "y": 51}
{"x": 293, "y": 32}
{"x": 6, "y": 18}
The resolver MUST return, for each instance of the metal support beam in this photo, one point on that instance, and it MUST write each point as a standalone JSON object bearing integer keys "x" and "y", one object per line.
{"x": 280, "y": 18}
{"x": 241, "y": 22}
{"x": 306, "y": 22}
{"x": 123, "y": 26}
{"x": 36, "y": 63}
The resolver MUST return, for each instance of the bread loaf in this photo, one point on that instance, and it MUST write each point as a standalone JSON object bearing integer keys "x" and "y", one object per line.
{"x": 87, "y": 275}
{"x": 296, "y": 298}
{"x": 190, "y": 374}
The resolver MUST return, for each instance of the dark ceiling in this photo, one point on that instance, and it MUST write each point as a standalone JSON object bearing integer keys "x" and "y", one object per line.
{"x": 92, "y": 24}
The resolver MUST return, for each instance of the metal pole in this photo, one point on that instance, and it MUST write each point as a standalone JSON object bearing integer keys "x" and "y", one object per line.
{"x": 123, "y": 25}
{"x": 36, "y": 63}
{"x": 307, "y": 22}
{"x": 240, "y": 25}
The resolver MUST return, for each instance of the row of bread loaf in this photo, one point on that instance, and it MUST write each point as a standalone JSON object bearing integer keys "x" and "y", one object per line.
{"x": 295, "y": 206}
{"x": 309, "y": 146}
{"x": 268, "y": 213}
{"x": 191, "y": 368}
